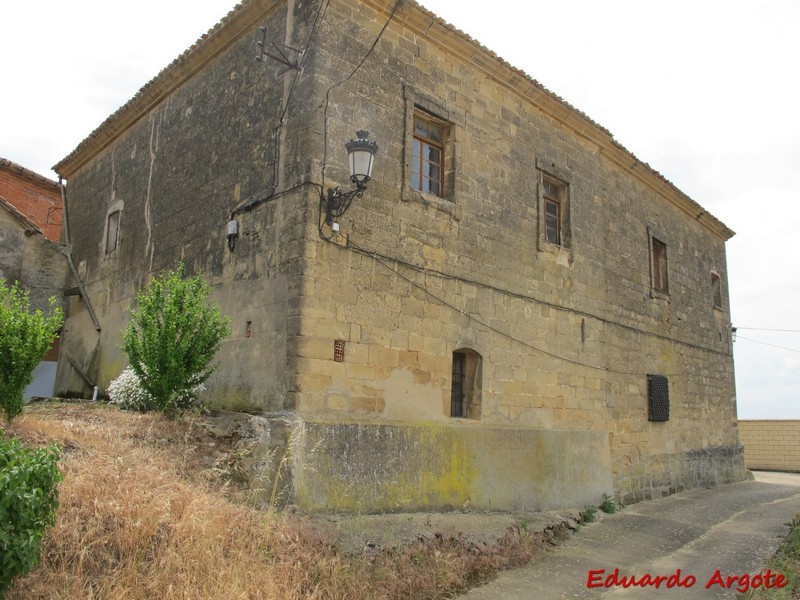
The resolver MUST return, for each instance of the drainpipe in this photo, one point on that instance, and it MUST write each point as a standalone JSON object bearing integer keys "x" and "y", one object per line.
{"x": 67, "y": 250}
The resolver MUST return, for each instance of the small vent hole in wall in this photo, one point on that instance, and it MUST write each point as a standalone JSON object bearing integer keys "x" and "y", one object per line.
{"x": 248, "y": 329}
{"x": 338, "y": 351}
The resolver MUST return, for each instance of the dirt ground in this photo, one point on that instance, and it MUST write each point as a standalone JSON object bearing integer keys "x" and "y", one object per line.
{"x": 362, "y": 533}
{"x": 214, "y": 444}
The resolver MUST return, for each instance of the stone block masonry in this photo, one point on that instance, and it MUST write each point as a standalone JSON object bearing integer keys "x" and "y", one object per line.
{"x": 485, "y": 337}
{"x": 771, "y": 445}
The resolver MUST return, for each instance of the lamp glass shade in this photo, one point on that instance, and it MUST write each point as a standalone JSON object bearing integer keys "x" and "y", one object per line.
{"x": 361, "y": 154}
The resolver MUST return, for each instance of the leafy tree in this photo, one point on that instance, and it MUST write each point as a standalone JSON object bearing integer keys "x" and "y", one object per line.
{"x": 28, "y": 502}
{"x": 24, "y": 338}
{"x": 171, "y": 339}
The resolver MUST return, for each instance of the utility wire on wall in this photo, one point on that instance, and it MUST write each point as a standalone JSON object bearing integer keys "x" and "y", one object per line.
{"x": 345, "y": 80}
{"x": 385, "y": 262}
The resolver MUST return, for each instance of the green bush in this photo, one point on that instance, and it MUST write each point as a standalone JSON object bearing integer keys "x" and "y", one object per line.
{"x": 589, "y": 514}
{"x": 28, "y": 502}
{"x": 24, "y": 338}
{"x": 608, "y": 505}
{"x": 171, "y": 339}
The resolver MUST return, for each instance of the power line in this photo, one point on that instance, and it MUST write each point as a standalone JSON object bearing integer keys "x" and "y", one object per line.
{"x": 384, "y": 262}
{"x": 739, "y": 337}
{"x": 767, "y": 329}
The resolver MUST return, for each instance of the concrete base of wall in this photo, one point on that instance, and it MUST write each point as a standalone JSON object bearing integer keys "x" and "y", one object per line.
{"x": 369, "y": 468}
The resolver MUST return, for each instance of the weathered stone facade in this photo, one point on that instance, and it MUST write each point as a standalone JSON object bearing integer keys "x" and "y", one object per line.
{"x": 30, "y": 228}
{"x": 556, "y": 325}
{"x": 29, "y": 258}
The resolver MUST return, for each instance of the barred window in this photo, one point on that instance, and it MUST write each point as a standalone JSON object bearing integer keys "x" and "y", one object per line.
{"x": 657, "y": 398}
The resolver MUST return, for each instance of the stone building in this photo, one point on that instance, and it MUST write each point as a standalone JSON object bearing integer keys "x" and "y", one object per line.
{"x": 30, "y": 229}
{"x": 517, "y": 313}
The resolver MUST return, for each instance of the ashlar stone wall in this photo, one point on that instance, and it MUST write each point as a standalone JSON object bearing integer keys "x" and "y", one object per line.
{"x": 567, "y": 333}
{"x": 212, "y": 148}
{"x": 355, "y": 331}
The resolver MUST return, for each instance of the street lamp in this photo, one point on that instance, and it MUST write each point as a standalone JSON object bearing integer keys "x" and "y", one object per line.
{"x": 360, "y": 157}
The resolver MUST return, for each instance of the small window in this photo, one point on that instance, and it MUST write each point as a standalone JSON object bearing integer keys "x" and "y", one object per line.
{"x": 554, "y": 199}
{"x": 659, "y": 257}
{"x": 112, "y": 231}
{"x": 657, "y": 398}
{"x": 716, "y": 290}
{"x": 465, "y": 390}
{"x": 428, "y": 155}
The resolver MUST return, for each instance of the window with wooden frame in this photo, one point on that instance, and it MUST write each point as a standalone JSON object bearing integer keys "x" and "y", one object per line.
{"x": 659, "y": 267}
{"x": 716, "y": 290}
{"x": 553, "y": 197}
{"x": 428, "y": 154}
{"x": 112, "y": 231}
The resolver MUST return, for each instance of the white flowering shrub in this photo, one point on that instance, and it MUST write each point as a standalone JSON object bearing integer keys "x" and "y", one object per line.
{"x": 126, "y": 391}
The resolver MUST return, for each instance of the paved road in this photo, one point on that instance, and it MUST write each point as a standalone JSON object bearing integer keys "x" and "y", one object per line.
{"x": 732, "y": 528}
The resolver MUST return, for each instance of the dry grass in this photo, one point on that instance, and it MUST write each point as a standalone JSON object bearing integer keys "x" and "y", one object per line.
{"x": 144, "y": 514}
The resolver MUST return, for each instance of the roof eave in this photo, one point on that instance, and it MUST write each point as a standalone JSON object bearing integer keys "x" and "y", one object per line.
{"x": 232, "y": 27}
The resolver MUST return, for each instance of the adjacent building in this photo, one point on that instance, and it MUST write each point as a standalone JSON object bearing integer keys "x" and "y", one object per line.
{"x": 30, "y": 230}
{"x": 516, "y": 314}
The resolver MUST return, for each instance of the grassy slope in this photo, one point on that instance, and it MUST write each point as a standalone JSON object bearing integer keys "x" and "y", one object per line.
{"x": 147, "y": 510}
{"x": 786, "y": 561}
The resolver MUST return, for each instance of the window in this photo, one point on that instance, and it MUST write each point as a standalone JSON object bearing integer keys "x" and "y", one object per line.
{"x": 659, "y": 258}
{"x": 465, "y": 389}
{"x": 554, "y": 194}
{"x": 716, "y": 290}
{"x": 112, "y": 231}
{"x": 427, "y": 155}
{"x": 553, "y": 209}
{"x": 657, "y": 398}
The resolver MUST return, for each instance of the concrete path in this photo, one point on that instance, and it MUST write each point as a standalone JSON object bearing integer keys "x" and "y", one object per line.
{"x": 732, "y": 528}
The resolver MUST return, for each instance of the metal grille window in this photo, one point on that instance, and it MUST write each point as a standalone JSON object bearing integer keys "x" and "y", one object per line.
{"x": 458, "y": 403}
{"x": 465, "y": 390}
{"x": 657, "y": 398}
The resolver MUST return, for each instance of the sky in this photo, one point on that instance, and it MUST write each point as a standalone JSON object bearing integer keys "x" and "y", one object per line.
{"x": 705, "y": 91}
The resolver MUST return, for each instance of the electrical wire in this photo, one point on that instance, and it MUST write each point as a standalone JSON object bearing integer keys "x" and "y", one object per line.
{"x": 323, "y": 8}
{"x": 739, "y": 337}
{"x": 767, "y": 329}
{"x": 326, "y": 103}
{"x": 383, "y": 262}
{"x": 539, "y": 301}
{"x": 345, "y": 80}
